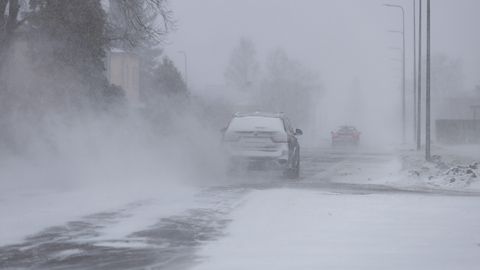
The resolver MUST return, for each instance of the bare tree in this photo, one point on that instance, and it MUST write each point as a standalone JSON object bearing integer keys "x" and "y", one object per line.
{"x": 243, "y": 69}
{"x": 133, "y": 22}
{"x": 288, "y": 86}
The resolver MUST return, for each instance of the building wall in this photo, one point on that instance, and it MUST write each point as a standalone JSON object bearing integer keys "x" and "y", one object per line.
{"x": 457, "y": 131}
{"x": 124, "y": 70}
{"x": 455, "y": 108}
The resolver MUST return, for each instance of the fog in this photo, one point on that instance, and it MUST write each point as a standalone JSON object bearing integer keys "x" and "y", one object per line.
{"x": 74, "y": 120}
{"x": 346, "y": 43}
{"x": 342, "y": 56}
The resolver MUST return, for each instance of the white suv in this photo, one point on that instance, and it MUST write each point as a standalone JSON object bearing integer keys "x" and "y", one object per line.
{"x": 263, "y": 141}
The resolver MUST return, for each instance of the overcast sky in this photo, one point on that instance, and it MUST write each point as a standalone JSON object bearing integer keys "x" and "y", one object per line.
{"x": 342, "y": 40}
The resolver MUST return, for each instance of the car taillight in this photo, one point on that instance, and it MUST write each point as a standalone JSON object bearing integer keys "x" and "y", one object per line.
{"x": 280, "y": 138}
{"x": 230, "y": 137}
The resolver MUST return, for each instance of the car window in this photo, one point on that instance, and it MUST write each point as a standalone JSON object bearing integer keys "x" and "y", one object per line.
{"x": 288, "y": 126}
{"x": 247, "y": 123}
{"x": 347, "y": 130}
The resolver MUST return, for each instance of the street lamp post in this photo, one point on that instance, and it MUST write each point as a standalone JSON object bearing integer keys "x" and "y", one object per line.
{"x": 185, "y": 66}
{"x": 419, "y": 85}
{"x": 428, "y": 154}
{"x": 414, "y": 71}
{"x": 403, "y": 69}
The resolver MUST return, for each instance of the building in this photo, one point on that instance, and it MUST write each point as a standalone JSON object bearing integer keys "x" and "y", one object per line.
{"x": 123, "y": 70}
{"x": 457, "y": 120}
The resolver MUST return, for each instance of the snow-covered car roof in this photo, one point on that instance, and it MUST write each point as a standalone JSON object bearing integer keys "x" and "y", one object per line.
{"x": 260, "y": 114}
{"x": 246, "y": 122}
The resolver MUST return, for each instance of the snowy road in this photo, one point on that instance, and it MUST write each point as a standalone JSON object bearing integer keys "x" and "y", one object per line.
{"x": 337, "y": 216}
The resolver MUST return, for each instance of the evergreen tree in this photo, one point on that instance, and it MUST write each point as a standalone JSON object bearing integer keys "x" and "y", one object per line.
{"x": 169, "y": 80}
{"x": 167, "y": 95}
{"x": 68, "y": 46}
{"x": 166, "y": 85}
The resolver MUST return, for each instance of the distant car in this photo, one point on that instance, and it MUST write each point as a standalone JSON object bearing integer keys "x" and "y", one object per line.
{"x": 262, "y": 141}
{"x": 346, "y": 135}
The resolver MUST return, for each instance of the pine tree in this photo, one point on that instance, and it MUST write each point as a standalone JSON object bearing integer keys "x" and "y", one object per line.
{"x": 169, "y": 79}
{"x": 70, "y": 41}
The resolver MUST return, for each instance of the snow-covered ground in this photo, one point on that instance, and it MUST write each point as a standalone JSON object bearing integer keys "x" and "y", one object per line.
{"x": 28, "y": 212}
{"x": 300, "y": 229}
{"x": 103, "y": 166}
{"x": 342, "y": 214}
{"x": 451, "y": 167}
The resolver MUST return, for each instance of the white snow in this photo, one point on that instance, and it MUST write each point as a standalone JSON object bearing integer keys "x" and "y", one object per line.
{"x": 29, "y": 212}
{"x": 452, "y": 167}
{"x": 299, "y": 229}
{"x": 104, "y": 166}
{"x": 384, "y": 169}
{"x": 67, "y": 253}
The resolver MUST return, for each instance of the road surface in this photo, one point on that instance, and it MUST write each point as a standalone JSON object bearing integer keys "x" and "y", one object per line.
{"x": 257, "y": 221}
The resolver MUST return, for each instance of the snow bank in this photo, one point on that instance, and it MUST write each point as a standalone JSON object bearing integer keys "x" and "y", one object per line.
{"x": 448, "y": 169}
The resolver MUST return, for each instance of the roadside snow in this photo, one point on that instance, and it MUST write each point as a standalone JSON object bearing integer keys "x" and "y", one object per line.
{"x": 450, "y": 169}
{"x": 376, "y": 170}
{"x": 299, "y": 229}
{"x": 453, "y": 168}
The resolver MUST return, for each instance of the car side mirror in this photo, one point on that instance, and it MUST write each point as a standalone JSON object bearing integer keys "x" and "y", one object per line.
{"x": 298, "y": 131}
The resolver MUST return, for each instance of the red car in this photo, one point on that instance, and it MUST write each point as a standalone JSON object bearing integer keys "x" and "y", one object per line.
{"x": 346, "y": 135}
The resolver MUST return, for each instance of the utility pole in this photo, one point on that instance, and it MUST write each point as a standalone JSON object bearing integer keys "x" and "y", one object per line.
{"x": 403, "y": 71}
{"x": 428, "y": 154}
{"x": 419, "y": 85}
{"x": 414, "y": 71}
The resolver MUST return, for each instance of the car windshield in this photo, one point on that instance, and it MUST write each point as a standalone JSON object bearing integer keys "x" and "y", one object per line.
{"x": 248, "y": 123}
{"x": 347, "y": 130}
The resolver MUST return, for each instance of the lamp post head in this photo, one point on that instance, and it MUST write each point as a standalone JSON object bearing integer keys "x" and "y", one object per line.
{"x": 395, "y": 31}
{"x": 392, "y": 5}
{"x": 395, "y": 6}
